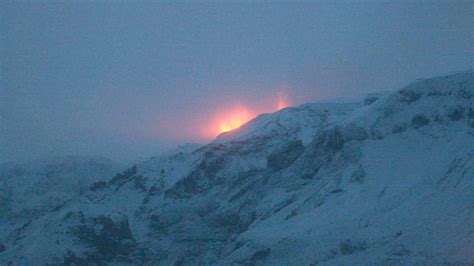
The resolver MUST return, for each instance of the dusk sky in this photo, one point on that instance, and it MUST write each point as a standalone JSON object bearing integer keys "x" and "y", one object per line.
{"x": 127, "y": 81}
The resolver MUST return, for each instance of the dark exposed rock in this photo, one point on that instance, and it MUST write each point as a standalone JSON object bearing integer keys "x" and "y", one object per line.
{"x": 409, "y": 96}
{"x": 376, "y": 133}
{"x": 123, "y": 177}
{"x": 234, "y": 222}
{"x": 146, "y": 200}
{"x": 331, "y": 140}
{"x": 98, "y": 186}
{"x": 75, "y": 217}
{"x": 71, "y": 259}
{"x": 354, "y": 132}
{"x": 420, "y": 121}
{"x": 191, "y": 184}
{"x": 154, "y": 190}
{"x": 456, "y": 113}
{"x": 293, "y": 213}
{"x": 240, "y": 193}
{"x": 212, "y": 165}
{"x": 310, "y": 175}
{"x": 330, "y": 149}
{"x": 259, "y": 256}
{"x": 370, "y": 99}
{"x": 139, "y": 183}
{"x": 283, "y": 158}
{"x": 202, "y": 178}
{"x": 110, "y": 240}
{"x": 401, "y": 250}
{"x": 348, "y": 247}
{"x": 284, "y": 204}
{"x": 358, "y": 175}
{"x": 465, "y": 93}
{"x": 439, "y": 93}
{"x": 158, "y": 225}
{"x": 470, "y": 113}
{"x": 399, "y": 128}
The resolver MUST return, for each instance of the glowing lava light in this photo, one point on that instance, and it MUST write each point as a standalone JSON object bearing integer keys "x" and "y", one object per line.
{"x": 282, "y": 101}
{"x": 234, "y": 119}
{"x": 237, "y": 116}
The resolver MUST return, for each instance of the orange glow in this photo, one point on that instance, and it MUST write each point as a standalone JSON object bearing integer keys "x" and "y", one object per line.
{"x": 234, "y": 119}
{"x": 224, "y": 116}
{"x": 282, "y": 104}
{"x": 283, "y": 101}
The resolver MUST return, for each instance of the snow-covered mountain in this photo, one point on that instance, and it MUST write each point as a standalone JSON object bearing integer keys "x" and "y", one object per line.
{"x": 29, "y": 190}
{"x": 387, "y": 180}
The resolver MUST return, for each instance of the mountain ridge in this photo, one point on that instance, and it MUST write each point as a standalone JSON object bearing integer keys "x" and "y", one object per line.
{"x": 387, "y": 180}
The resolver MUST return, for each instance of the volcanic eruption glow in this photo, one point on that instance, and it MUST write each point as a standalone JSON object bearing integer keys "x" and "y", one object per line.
{"x": 234, "y": 119}
{"x": 223, "y": 117}
{"x": 282, "y": 101}
{"x": 238, "y": 116}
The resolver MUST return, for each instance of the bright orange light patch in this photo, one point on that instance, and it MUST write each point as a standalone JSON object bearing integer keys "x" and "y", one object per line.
{"x": 234, "y": 119}
{"x": 223, "y": 115}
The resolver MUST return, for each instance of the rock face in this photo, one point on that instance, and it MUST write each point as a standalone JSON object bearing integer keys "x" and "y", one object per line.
{"x": 388, "y": 180}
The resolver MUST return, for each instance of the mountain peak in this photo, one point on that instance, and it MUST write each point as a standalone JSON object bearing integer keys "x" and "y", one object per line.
{"x": 364, "y": 182}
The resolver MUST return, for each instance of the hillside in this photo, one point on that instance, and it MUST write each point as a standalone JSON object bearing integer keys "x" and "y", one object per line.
{"x": 29, "y": 190}
{"x": 388, "y": 180}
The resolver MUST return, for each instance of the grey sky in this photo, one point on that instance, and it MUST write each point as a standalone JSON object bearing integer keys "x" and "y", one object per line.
{"x": 124, "y": 80}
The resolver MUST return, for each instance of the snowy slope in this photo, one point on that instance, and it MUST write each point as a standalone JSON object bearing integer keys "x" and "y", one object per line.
{"x": 31, "y": 189}
{"x": 388, "y": 180}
